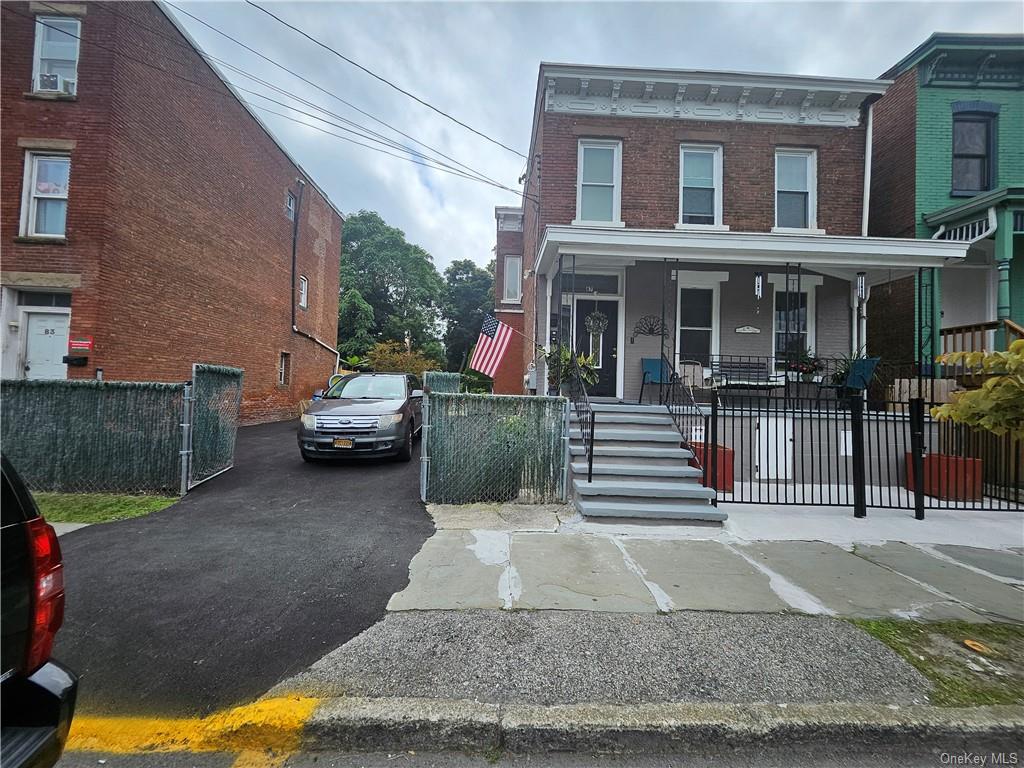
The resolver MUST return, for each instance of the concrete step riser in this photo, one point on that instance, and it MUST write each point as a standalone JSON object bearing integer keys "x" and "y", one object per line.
{"x": 630, "y": 419}
{"x": 639, "y": 473}
{"x": 630, "y": 435}
{"x": 607, "y": 478}
{"x": 645, "y": 512}
{"x": 641, "y": 454}
{"x": 650, "y": 495}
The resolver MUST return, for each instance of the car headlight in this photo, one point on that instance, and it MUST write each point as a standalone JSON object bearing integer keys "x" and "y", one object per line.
{"x": 309, "y": 421}
{"x": 388, "y": 420}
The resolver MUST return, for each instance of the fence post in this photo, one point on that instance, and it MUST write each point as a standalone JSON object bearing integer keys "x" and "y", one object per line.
{"x": 566, "y": 452}
{"x": 711, "y": 444}
{"x": 425, "y": 449}
{"x": 917, "y": 453}
{"x": 186, "y": 438}
{"x": 860, "y": 505}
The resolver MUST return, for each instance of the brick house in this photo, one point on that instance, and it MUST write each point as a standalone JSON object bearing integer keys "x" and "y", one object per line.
{"x": 716, "y": 219}
{"x": 508, "y": 296}
{"x": 949, "y": 165}
{"x": 157, "y": 221}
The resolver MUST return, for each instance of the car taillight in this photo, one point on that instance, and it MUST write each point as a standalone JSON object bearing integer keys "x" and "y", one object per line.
{"x": 47, "y": 593}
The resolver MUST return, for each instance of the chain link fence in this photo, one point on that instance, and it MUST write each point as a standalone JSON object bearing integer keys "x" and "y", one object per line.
{"x": 216, "y": 404}
{"x": 442, "y": 381}
{"x": 94, "y": 436}
{"x": 494, "y": 448}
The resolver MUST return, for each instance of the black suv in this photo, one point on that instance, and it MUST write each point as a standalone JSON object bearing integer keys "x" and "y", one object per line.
{"x": 38, "y": 694}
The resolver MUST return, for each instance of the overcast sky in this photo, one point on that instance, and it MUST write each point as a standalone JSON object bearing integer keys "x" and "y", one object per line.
{"x": 478, "y": 62}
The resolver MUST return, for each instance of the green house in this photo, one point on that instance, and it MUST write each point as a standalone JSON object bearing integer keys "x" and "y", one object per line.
{"x": 948, "y": 164}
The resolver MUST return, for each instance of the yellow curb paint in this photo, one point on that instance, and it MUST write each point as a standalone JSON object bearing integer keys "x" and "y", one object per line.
{"x": 267, "y": 724}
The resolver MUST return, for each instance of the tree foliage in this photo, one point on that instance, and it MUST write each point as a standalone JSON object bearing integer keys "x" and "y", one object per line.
{"x": 397, "y": 279}
{"x": 997, "y": 405}
{"x": 468, "y": 296}
{"x": 392, "y": 356}
{"x": 355, "y": 316}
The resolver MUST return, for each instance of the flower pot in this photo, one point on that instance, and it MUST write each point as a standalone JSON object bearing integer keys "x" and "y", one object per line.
{"x": 948, "y": 477}
{"x": 807, "y": 378}
{"x": 724, "y": 461}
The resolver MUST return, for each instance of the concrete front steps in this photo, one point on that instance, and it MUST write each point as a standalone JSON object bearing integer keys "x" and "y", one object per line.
{"x": 640, "y": 470}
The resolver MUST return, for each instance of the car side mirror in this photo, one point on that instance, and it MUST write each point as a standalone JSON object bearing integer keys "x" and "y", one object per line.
{"x": 417, "y": 393}
{"x": 317, "y": 393}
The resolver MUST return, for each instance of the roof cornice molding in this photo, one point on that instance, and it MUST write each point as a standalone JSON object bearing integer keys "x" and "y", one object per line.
{"x": 955, "y": 41}
{"x": 706, "y": 95}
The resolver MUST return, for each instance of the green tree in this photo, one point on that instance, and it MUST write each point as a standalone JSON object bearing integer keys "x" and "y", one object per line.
{"x": 998, "y": 404}
{"x": 390, "y": 356}
{"x": 396, "y": 278}
{"x": 355, "y": 325}
{"x": 468, "y": 296}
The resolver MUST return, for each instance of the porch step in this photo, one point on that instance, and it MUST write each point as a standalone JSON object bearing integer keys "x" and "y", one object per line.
{"x": 614, "y": 417}
{"x": 637, "y": 470}
{"x": 645, "y": 435}
{"x": 639, "y": 489}
{"x": 627, "y": 408}
{"x": 660, "y": 510}
{"x": 635, "y": 452}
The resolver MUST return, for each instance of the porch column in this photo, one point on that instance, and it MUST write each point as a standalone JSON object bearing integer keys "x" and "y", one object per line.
{"x": 1003, "y": 256}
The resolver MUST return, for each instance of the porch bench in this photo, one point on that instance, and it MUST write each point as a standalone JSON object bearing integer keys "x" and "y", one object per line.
{"x": 748, "y": 374}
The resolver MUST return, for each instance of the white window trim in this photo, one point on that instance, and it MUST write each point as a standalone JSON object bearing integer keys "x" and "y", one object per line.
{"x": 303, "y": 292}
{"x": 28, "y": 204}
{"x": 809, "y": 284}
{"x": 702, "y": 279}
{"x": 616, "y": 176}
{"x": 38, "y": 50}
{"x": 505, "y": 298}
{"x": 290, "y": 201}
{"x": 718, "y": 226}
{"x": 284, "y": 361}
{"x": 812, "y": 191}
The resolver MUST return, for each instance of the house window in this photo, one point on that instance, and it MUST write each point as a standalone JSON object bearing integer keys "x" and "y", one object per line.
{"x": 700, "y": 196}
{"x": 513, "y": 288}
{"x": 796, "y": 189}
{"x": 45, "y": 195}
{"x": 289, "y": 207}
{"x": 973, "y": 156}
{"x": 284, "y": 369}
{"x": 303, "y": 291}
{"x": 791, "y": 332}
{"x": 598, "y": 192}
{"x": 55, "y": 62}
{"x": 696, "y": 324}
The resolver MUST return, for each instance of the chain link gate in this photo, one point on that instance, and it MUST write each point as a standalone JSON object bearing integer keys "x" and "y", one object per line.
{"x": 211, "y": 411}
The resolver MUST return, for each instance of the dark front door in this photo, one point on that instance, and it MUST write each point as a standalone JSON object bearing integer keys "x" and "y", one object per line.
{"x": 599, "y": 337}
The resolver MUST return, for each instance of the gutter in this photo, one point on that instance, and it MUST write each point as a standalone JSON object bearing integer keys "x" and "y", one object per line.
{"x": 295, "y": 251}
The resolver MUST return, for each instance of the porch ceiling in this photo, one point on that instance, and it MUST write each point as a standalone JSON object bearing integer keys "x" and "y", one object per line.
{"x": 616, "y": 247}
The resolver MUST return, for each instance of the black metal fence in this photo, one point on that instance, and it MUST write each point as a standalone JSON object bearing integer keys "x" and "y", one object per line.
{"x": 767, "y": 449}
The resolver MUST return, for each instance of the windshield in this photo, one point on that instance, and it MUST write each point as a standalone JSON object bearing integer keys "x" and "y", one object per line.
{"x": 370, "y": 387}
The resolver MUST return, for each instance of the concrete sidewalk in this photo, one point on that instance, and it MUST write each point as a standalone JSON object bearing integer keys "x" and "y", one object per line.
{"x": 541, "y": 558}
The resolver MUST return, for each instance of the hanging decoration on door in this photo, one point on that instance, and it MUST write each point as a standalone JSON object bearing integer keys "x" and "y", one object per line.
{"x": 596, "y": 323}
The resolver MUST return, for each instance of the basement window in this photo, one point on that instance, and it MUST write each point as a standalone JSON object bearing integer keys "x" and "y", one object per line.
{"x": 284, "y": 369}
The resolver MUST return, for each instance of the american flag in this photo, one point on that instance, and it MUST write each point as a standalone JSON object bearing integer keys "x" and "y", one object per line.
{"x": 491, "y": 346}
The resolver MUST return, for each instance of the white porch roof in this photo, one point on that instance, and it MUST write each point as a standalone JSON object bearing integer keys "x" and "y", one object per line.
{"x": 623, "y": 247}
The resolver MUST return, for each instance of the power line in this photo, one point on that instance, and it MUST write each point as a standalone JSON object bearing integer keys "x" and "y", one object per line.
{"x": 383, "y": 79}
{"x": 432, "y": 163}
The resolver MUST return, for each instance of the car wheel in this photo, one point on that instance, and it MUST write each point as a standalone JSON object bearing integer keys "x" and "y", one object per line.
{"x": 310, "y": 459}
{"x": 405, "y": 452}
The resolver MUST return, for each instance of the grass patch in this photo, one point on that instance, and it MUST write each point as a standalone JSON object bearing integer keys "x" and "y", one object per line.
{"x": 97, "y": 507}
{"x": 961, "y": 677}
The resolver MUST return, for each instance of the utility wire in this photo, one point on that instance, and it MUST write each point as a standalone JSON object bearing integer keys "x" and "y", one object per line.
{"x": 432, "y": 165}
{"x": 384, "y": 80}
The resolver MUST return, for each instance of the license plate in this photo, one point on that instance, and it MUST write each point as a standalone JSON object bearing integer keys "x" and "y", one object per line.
{"x": 342, "y": 442}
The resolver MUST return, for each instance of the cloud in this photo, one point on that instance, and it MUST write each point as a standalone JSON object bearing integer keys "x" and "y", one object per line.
{"x": 478, "y": 61}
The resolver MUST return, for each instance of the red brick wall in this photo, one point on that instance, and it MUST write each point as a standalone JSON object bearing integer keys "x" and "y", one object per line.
{"x": 650, "y": 169}
{"x": 176, "y": 215}
{"x": 509, "y": 378}
{"x": 893, "y": 161}
{"x": 891, "y": 320}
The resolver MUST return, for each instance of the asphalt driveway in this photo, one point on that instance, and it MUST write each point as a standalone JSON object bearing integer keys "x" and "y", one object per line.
{"x": 248, "y": 580}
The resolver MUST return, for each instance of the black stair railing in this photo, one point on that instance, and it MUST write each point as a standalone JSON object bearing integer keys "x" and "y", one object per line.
{"x": 577, "y": 391}
{"x": 691, "y": 421}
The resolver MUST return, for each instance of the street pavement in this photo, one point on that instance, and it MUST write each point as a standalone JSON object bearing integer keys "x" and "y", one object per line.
{"x": 246, "y": 581}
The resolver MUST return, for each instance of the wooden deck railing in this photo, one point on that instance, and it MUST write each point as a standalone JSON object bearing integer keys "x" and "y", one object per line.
{"x": 975, "y": 336}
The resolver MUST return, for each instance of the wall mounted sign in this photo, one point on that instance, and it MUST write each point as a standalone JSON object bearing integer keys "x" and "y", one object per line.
{"x": 80, "y": 344}
{"x": 748, "y": 329}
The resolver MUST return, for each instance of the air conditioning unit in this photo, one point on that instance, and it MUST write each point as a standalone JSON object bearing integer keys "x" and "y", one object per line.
{"x": 50, "y": 83}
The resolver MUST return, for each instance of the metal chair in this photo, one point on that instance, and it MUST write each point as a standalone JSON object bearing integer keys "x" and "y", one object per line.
{"x": 862, "y": 371}
{"x": 656, "y": 371}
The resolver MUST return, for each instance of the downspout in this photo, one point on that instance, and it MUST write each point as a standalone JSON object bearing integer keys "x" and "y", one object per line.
{"x": 866, "y": 203}
{"x": 295, "y": 252}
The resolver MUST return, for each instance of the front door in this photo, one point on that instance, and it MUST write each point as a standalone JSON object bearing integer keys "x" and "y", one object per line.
{"x": 46, "y": 344}
{"x": 597, "y": 334}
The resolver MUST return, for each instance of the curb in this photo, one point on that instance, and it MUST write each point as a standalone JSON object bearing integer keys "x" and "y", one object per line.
{"x": 394, "y": 724}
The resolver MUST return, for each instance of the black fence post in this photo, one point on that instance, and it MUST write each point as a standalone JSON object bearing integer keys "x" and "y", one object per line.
{"x": 712, "y": 446}
{"x": 917, "y": 453}
{"x": 860, "y": 504}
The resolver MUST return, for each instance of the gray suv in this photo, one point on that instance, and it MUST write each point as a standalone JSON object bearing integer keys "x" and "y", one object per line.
{"x": 365, "y": 414}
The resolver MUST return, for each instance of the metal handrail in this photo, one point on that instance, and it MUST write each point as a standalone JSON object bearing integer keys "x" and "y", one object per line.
{"x": 683, "y": 409}
{"x": 584, "y": 412}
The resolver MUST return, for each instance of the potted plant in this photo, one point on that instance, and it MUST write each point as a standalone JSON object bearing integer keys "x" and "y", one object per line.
{"x": 805, "y": 365}
{"x": 560, "y": 365}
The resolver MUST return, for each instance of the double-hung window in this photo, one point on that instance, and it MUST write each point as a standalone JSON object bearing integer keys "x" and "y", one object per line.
{"x": 796, "y": 189}
{"x": 599, "y": 182}
{"x": 513, "y": 288}
{"x": 974, "y": 134}
{"x": 289, "y": 207}
{"x": 45, "y": 201}
{"x": 303, "y": 291}
{"x": 700, "y": 194}
{"x": 55, "y": 63}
